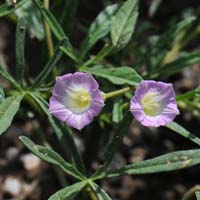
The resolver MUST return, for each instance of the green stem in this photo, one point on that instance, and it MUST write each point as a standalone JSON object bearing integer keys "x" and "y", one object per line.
{"x": 49, "y": 40}
{"x": 191, "y": 192}
{"x": 103, "y": 53}
{"x": 116, "y": 93}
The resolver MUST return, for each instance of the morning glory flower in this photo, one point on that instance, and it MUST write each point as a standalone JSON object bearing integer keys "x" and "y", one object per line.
{"x": 76, "y": 99}
{"x": 154, "y": 103}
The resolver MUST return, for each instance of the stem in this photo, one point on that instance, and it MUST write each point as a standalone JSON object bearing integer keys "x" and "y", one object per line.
{"x": 91, "y": 194}
{"x": 190, "y": 193}
{"x": 116, "y": 93}
{"x": 49, "y": 40}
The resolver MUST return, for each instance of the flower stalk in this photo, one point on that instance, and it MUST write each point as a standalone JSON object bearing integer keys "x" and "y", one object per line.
{"x": 115, "y": 93}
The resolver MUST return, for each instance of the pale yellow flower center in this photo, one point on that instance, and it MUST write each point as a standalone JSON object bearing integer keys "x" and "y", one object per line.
{"x": 77, "y": 100}
{"x": 151, "y": 103}
{"x": 81, "y": 99}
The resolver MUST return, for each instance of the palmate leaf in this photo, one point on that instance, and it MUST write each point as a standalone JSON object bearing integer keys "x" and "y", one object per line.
{"x": 68, "y": 193}
{"x": 123, "y": 23}
{"x": 183, "y": 132}
{"x": 118, "y": 76}
{"x": 51, "y": 156}
{"x": 168, "y": 162}
{"x": 8, "y": 109}
{"x": 99, "y": 28}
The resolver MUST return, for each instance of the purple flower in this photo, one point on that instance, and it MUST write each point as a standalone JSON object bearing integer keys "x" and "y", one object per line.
{"x": 154, "y": 103}
{"x": 76, "y": 99}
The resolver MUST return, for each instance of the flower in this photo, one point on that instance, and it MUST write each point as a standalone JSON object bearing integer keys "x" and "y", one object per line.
{"x": 76, "y": 99}
{"x": 154, "y": 103}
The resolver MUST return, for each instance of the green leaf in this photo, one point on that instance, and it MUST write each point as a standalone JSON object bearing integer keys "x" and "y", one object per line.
{"x": 123, "y": 23}
{"x": 7, "y": 76}
{"x": 197, "y": 91}
{"x": 51, "y": 156}
{"x": 198, "y": 195}
{"x": 33, "y": 18}
{"x": 117, "y": 138}
{"x": 51, "y": 64}
{"x": 19, "y": 49}
{"x": 6, "y": 9}
{"x": 2, "y": 94}
{"x": 168, "y": 162}
{"x": 117, "y": 113}
{"x": 186, "y": 60}
{"x": 99, "y": 28}
{"x": 64, "y": 136}
{"x": 8, "y": 109}
{"x": 189, "y": 94}
{"x": 69, "y": 192}
{"x": 154, "y": 7}
{"x": 118, "y": 76}
{"x": 99, "y": 192}
{"x": 183, "y": 132}
{"x": 56, "y": 29}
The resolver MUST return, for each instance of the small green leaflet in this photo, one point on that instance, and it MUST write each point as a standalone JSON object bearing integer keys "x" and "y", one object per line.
{"x": 118, "y": 75}
{"x": 123, "y": 23}
{"x": 8, "y": 109}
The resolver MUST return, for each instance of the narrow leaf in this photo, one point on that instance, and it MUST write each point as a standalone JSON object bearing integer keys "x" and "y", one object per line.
{"x": 6, "y": 9}
{"x": 113, "y": 146}
{"x": 183, "y": 132}
{"x": 118, "y": 76}
{"x": 123, "y": 23}
{"x": 117, "y": 113}
{"x": 30, "y": 13}
{"x": 2, "y": 94}
{"x": 117, "y": 138}
{"x": 19, "y": 49}
{"x": 186, "y": 60}
{"x": 8, "y": 109}
{"x": 198, "y": 195}
{"x": 99, "y": 28}
{"x": 63, "y": 135}
{"x": 168, "y": 162}
{"x": 69, "y": 192}
{"x": 7, "y": 76}
{"x": 51, "y": 156}
{"x": 56, "y": 29}
{"x": 51, "y": 64}
{"x": 100, "y": 193}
